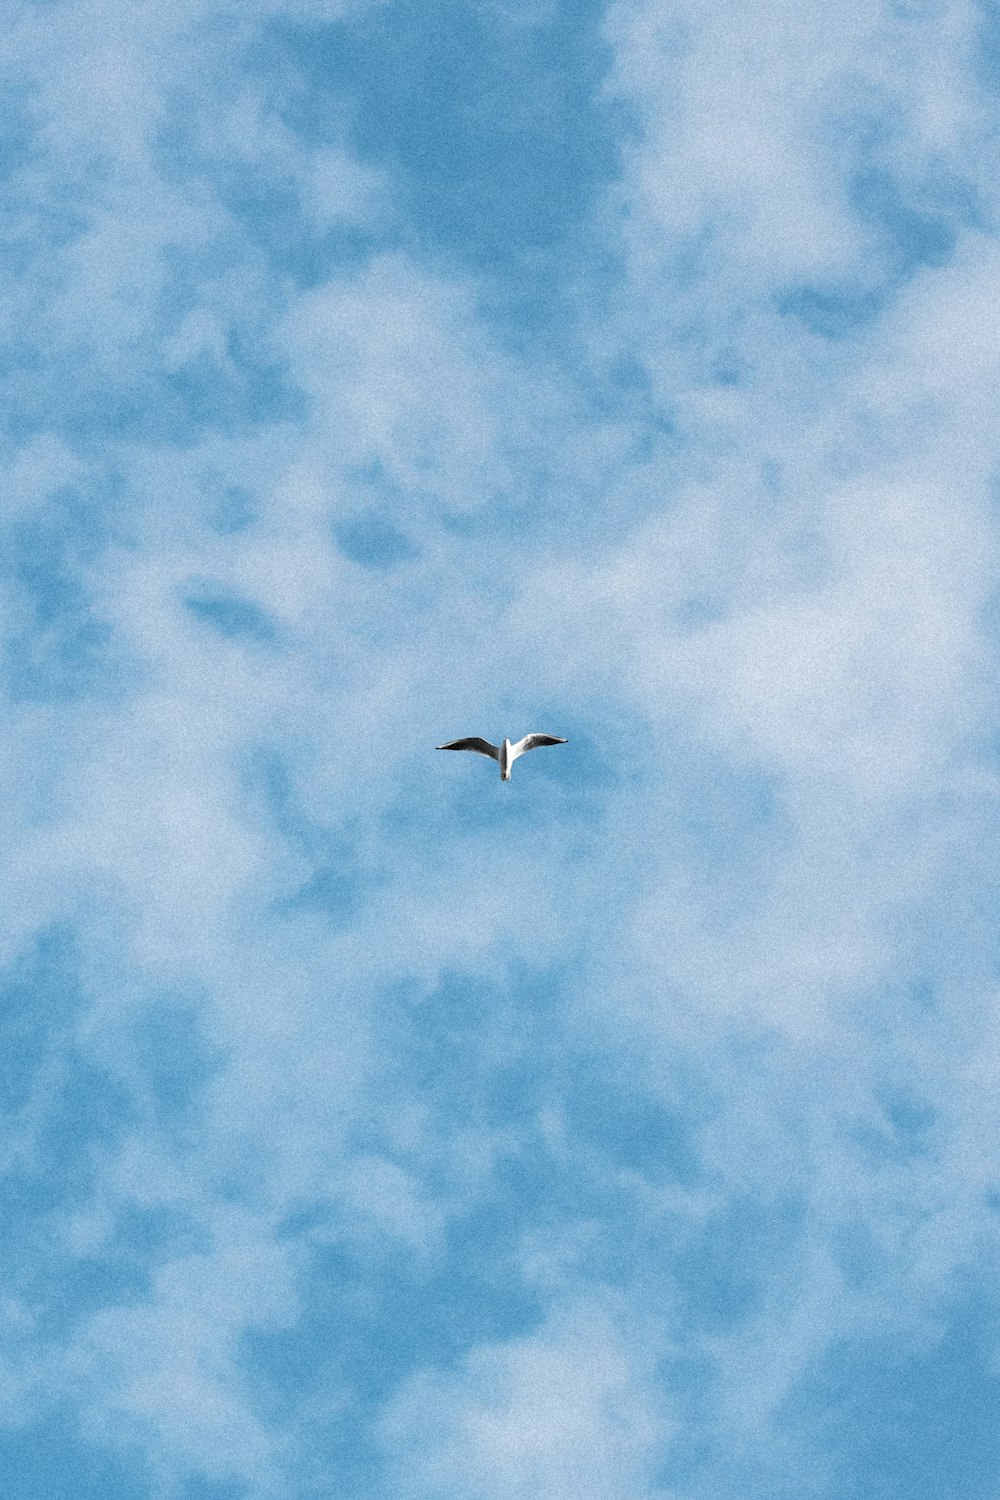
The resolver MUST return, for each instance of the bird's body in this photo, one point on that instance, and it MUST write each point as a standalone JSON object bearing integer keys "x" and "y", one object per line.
{"x": 506, "y": 753}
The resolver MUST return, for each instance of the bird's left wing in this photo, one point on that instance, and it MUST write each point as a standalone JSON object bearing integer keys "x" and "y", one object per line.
{"x": 534, "y": 742}
{"x": 473, "y": 743}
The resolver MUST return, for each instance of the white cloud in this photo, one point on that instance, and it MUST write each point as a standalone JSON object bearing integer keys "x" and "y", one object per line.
{"x": 401, "y": 376}
{"x": 569, "y": 1412}
{"x": 167, "y": 1372}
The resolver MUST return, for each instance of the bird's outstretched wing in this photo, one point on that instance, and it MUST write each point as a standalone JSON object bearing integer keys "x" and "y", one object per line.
{"x": 534, "y": 742}
{"x": 482, "y": 746}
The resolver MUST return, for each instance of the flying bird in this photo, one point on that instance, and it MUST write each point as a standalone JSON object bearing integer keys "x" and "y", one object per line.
{"x": 506, "y": 753}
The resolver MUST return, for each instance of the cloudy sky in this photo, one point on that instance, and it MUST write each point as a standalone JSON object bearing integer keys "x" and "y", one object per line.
{"x": 377, "y": 373}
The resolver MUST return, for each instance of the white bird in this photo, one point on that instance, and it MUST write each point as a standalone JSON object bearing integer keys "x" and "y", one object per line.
{"x": 506, "y": 753}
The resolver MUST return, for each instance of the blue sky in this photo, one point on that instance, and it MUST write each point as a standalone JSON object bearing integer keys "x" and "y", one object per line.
{"x": 376, "y": 373}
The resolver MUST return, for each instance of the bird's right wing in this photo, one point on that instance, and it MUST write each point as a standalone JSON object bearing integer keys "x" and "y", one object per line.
{"x": 534, "y": 742}
{"x": 483, "y": 747}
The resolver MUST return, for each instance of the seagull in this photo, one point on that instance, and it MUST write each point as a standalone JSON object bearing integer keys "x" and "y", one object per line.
{"x": 506, "y": 753}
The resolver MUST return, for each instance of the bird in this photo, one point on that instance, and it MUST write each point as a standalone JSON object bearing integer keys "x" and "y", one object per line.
{"x": 506, "y": 753}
